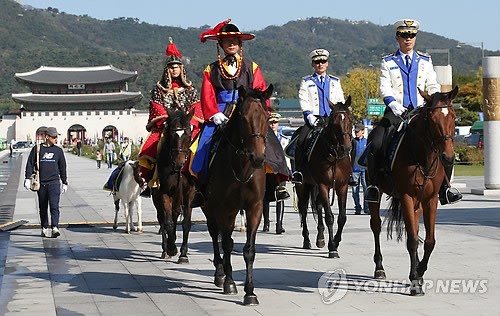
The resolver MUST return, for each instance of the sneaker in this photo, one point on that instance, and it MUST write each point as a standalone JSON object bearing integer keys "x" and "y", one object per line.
{"x": 55, "y": 232}
{"x": 297, "y": 177}
{"x": 352, "y": 182}
{"x": 45, "y": 232}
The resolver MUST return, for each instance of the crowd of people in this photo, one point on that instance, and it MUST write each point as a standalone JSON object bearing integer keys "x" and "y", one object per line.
{"x": 402, "y": 72}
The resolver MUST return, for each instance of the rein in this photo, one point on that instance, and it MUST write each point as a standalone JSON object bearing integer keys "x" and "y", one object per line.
{"x": 241, "y": 150}
{"x": 434, "y": 165}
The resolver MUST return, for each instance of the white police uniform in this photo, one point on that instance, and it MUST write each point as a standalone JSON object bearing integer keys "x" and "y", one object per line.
{"x": 313, "y": 96}
{"x": 400, "y": 85}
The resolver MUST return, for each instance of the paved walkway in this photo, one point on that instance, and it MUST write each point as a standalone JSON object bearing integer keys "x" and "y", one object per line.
{"x": 92, "y": 269}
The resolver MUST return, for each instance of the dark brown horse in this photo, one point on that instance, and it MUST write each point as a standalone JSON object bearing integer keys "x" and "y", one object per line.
{"x": 237, "y": 180}
{"x": 329, "y": 166}
{"x": 175, "y": 191}
{"x": 417, "y": 174}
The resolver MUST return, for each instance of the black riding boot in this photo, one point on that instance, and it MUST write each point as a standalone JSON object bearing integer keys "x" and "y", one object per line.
{"x": 199, "y": 198}
{"x": 372, "y": 191}
{"x": 280, "y": 211}
{"x": 446, "y": 195}
{"x": 265, "y": 213}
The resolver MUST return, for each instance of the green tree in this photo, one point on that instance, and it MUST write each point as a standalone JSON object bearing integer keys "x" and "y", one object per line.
{"x": 470, "y": 96}
{"x": 361, "y": 83}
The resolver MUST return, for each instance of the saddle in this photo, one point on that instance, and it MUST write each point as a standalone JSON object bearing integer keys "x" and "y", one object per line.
{"x": 114, "y": 179}
{"x": 217, "y": 136}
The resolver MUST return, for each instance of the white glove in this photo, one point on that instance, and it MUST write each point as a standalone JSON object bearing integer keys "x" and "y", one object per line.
{"x": 313, "y": 120}
{"x": 219, "y": 118}
{"x": 27, "y": 184}
{"x": 397, "y": 108}
{"x": 64, "y": 188}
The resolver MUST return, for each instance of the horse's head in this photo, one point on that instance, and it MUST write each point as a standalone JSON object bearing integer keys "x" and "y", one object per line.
{"x": 339, "y": 127}
{"x": 177, "y": 137}
{"x": 440, "y": 122}
{"x": 250, "y": 117}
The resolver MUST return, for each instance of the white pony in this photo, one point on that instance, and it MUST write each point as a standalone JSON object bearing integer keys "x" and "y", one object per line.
{"x": 128, "y": 192}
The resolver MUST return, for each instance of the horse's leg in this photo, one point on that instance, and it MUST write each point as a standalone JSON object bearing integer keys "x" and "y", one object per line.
{"x": 138, "y": 203}
{"x": 217, "y": 261}
{"x": 131, "y": 207}
{"x": 126, "y": 213}
{"x": 186, "y": 228}
{"x": 229, "y": 286}
{"x": 117, "y": 210}
{"x": 376, "y": 227}
{"x": 253, "y": 220}
{"x": 411, "y": 218}
{"x": 160, "y": 216}
{"x": 341, "y": 219}
{"x": 324, "y": 191}
{"x": 430, "y": 241}
{"x": 303, "y": 199}
{"x": 170, "y": 225}
{"x": 316, "y": 196}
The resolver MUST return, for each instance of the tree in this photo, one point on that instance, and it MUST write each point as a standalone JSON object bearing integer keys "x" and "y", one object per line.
{"x": 470, "y": 96}
{"x": 361, "y": 83}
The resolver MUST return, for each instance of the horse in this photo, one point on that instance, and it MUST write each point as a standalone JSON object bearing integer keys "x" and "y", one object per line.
{"x": 329, "y": 166}
{"x": 414, "y": 182}
{"x": 176, "y": 190}
{"x": 236, "y": 180}
{"x": 128, "y": 193}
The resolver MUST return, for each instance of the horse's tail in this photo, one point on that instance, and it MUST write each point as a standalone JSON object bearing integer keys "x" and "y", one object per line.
{"x": 395, "y": 218}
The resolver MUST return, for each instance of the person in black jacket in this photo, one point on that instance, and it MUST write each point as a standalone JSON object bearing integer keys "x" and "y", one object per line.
{"x": 52, "y": 170}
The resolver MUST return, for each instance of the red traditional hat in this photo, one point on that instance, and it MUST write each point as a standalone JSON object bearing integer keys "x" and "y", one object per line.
{"x": 225, "y": 29}
{"x": 173, "y": 53}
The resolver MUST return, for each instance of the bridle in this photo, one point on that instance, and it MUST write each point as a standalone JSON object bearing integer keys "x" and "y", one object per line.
{"x": 336, "y": 149}
{"x": 174, "y": 152}
{"x": 240, "y": 148}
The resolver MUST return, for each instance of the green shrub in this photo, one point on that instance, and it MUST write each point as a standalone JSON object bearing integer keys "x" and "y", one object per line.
{"x": 469, "y": 155}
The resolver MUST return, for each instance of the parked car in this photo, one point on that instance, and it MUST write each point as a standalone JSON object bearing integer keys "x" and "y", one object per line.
{"x": 22, "y": 144}
{"x": 287, "y": 131}
{"x": 474, "y": 140}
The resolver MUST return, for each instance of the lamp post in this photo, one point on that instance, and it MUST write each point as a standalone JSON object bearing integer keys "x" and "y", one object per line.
{"x": 476, "y": 44}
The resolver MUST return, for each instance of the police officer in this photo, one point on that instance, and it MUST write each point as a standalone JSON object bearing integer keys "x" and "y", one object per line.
{"x": 402, "y": 72}
{"x": 314, "y": 92}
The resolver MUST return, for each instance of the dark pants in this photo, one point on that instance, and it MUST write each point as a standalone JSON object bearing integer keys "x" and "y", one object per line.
{"x": 109, "y": 160}
{"x": 49, "y": 194}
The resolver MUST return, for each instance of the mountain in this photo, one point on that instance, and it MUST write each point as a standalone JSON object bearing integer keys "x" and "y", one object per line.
{"x": 30, "y": 38}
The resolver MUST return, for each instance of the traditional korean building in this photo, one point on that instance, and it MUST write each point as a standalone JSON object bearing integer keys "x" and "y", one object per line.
{"x": 87, "y": 103}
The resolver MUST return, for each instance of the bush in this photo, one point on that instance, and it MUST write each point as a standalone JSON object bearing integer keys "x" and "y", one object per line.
{"x": 469, "y": 155}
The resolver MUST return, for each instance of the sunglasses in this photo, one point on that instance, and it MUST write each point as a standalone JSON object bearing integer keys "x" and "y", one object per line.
{"x": 407, "y": 35}
{"x": 52, "y": 136}
{"x": 317, "y": 62}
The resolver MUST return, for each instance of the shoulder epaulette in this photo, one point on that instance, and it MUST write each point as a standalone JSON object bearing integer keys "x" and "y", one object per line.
{"x": 307, "y": 77}
{"x": 389, "y": 55}
{"x": 208, "y": 68}
{"x": 423, "y": 54}
{"x": 333, "y": 77}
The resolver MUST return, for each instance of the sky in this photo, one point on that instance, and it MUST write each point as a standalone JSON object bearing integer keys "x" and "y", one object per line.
{"x": 471, "y": 22}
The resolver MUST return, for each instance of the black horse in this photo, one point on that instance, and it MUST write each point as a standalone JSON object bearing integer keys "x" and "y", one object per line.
{"x": 236, "y": 180}
{"x": 329, "y": 166}
{"x": 176, "y": 190}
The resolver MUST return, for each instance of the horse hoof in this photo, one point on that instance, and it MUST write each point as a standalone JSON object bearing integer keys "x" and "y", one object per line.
{"x": 115, "y": 227}
{"x": 320, "y": 243}
{"x": 163, "y": 255}
{"x": 172, "y": 252}
{"x": 306, "y": 245}
{"x": 417, "y": 292}
{"x": 139, "y": 230}
{"x": 379, "y": 274}
{"x": 230, "y": 288}
{"x": 219, "y": 281}
{"x": 250, "y": 300}
{"x": 243, "y": 229}
{"x": 183, "y": 260}
{"x": 333, "y": 255}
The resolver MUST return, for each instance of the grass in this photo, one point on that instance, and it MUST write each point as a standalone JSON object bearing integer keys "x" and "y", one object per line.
{"x": 469, "y": 170}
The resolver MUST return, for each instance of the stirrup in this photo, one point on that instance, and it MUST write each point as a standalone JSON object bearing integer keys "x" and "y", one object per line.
{"x": 297, "y": 177}
{"x": 281, "y": 193}
{"x": 374, "y": 197}
{"x": 451, "y": 196}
